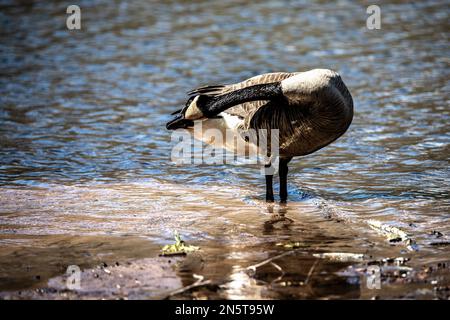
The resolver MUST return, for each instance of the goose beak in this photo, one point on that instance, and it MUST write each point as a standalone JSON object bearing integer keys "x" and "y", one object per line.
{"x": 179, "y": 122}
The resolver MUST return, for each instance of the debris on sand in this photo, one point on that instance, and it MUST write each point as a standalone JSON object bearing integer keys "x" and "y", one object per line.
{"x": 341, "y": 256}
{"x": 440, "y": 243}
{"x": 178, "y": 248}
{"x": 291, "y": 245}
{"x": 200, "y": 282}
{"x": 436, "y": 233}
{"x": 393, "y": 234}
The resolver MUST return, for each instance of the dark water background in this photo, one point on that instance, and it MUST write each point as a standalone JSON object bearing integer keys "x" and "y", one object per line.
{"x": 84, "y": 155}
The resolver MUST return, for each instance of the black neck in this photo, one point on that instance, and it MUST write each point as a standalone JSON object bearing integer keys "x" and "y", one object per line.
{"x": 269, "y": 91}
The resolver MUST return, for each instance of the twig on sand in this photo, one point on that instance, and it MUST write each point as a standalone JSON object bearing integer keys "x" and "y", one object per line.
{"x": 199, "y": 283}
{"x": 276, "y": 266}
{"x": 279, "y": 269}
{"x": 253, "y": 267}
{"x": 311, "y": 271}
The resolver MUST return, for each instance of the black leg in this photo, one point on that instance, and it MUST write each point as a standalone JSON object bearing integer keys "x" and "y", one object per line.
{"x": 269, "y": 186}
{"x": 283, "y": 172}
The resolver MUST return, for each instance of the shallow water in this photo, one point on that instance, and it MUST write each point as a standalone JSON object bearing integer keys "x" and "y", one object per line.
{"x": 85, "y": 171}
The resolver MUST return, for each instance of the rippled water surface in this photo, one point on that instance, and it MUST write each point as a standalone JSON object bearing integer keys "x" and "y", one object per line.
{"x": 85, "y": 171}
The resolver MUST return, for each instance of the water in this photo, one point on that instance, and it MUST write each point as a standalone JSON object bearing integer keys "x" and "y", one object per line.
{"x": 85, "y": 174}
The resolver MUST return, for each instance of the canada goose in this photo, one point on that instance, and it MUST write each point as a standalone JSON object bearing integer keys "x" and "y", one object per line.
{"x": 310, "y": 109}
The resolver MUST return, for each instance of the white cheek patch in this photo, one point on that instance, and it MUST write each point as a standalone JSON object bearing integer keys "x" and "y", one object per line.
{"x": 193, "y": 112}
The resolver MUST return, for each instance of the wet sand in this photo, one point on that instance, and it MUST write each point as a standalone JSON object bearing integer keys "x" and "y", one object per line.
{"x": 156, "y": 278}
{"x": 309, "y": 248}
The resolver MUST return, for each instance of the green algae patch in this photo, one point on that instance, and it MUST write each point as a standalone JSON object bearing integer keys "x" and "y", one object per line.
{"x": 178, "y": 248}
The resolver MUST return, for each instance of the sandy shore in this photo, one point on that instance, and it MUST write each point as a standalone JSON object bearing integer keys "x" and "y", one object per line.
{"x": 158, "y": 278}
{"x": 150, "y": 278}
